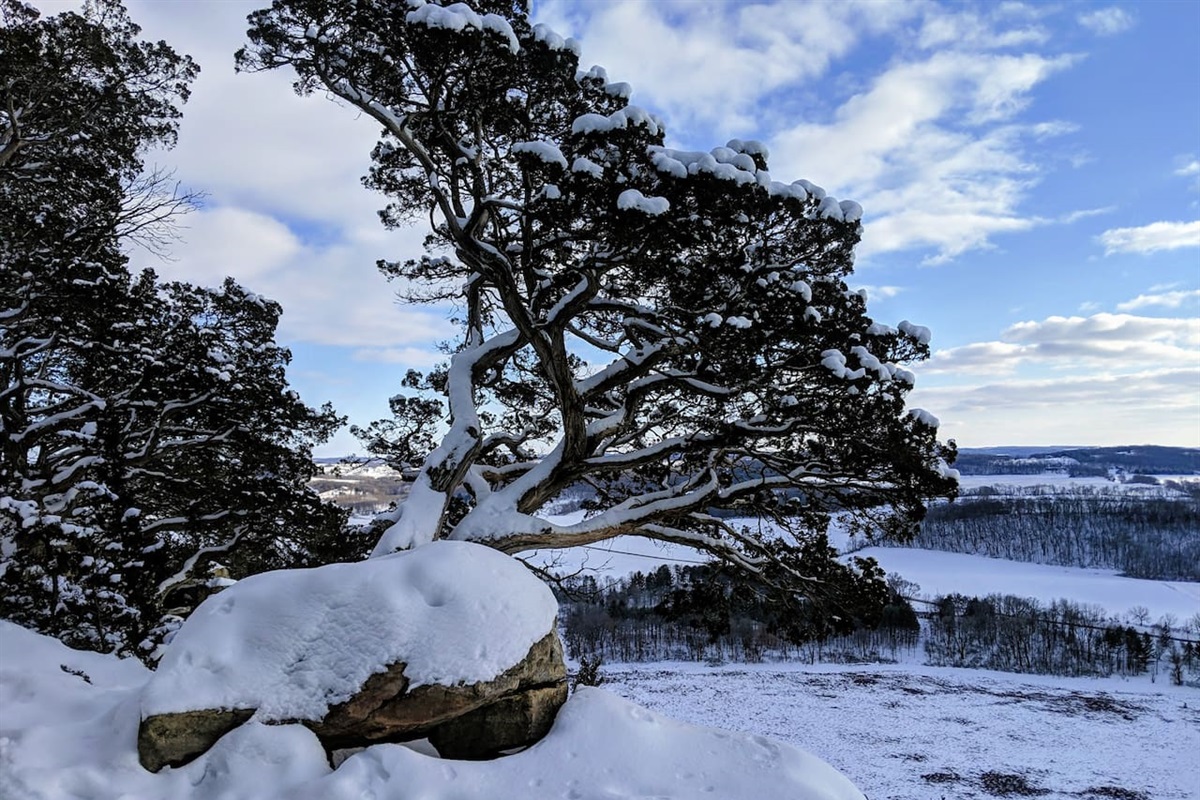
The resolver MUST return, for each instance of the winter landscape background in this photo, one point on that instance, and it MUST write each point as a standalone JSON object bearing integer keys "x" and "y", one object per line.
{"x": 1040, "y": 634}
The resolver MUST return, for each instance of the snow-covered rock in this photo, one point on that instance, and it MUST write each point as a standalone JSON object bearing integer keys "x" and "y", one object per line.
{"x": 391, "y": 648}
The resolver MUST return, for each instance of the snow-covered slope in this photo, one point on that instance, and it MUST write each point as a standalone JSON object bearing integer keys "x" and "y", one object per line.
{"x": 940, "y": 573}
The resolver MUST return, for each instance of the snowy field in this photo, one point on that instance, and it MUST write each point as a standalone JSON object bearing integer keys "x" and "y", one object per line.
{"x": 909, "y": 732}
{"x": 1061, "y": 480}
{"x": 940, "y": 573}
{"x": 899, "y": 732}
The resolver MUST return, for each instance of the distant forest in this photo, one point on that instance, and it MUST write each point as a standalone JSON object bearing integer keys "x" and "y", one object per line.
{"x": 700, "y": 613}
{"x": 1144, "y": 535}
{"x": 1085, "y": 461}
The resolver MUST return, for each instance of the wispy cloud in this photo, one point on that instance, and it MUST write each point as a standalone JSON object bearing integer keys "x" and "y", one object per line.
{"x": 709, "y": 65}
{"x": 331, "y": 292}
{"x": 1107, "y": 21}
{"x": 933, "y": 144}
{"x": 1108, "y": 342}
{"x": 408, "y": 356}
{"x": 1190, "y": 168}
{"x": 1165, "y": 299}
{"x": 931, "y": 150}
{"x": 1151, "y": 238}
{"x": 1075, "y": 216}
{"x": 1135, "y": 407}
{"x": 966, "y": 29}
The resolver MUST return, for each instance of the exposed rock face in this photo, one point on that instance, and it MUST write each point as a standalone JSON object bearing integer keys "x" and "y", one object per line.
{"x": 514, "y": 720}
{"x": 174, "y": 739}
{"x": 384, "y": 711}
{"x": 473, "y": 721}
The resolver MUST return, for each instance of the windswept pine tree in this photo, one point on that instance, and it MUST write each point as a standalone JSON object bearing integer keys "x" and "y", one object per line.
{"x": 147, "y": 428}
{"x": 670, "y": 332}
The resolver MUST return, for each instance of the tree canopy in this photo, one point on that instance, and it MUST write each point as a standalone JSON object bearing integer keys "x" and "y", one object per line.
{"x": 148, "y": 428}
{"x": 668, "y": 332}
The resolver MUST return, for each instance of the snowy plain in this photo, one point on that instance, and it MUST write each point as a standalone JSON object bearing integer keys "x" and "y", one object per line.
{"x": 939, "y": 573}
{"x": 910, "y": 732}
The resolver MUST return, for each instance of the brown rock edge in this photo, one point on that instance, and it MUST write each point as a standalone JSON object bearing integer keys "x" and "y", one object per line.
{"x": 468, "y": 721}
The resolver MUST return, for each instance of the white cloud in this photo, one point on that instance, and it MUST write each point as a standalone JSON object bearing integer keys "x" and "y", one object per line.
{"x": 1104, "y": 341}
{"x": 286, "y": 214}
{"x": 880, "y": 292}
{"x": 1166, "y": 299}
{"x": 930, "y": 150}
{"x": 1155, "y": 406}
{"x": 219, "y": 241}
{"x": 970, "y": 30}
{"x": 710, "y": 64}
{"x": 929, "y": 144}
{"x": 1151, "y": 238}
{"x": 408, "y": 356}
{"x": 1190, "y": 169}
{"x": 331, "y": 292}
{"x": 1110, "y": 327}
{"x": 1106, "y": 21}
{"x": 1102, "y": 379}
{"x": 247, "y": 139}
{"x": 1075, "y": 216}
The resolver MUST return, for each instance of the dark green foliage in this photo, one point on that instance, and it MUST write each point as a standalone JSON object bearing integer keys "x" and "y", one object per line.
{"x": 715, "y": 610}
{"x": 588, "y": 673}
{"x": 148, "y": 430}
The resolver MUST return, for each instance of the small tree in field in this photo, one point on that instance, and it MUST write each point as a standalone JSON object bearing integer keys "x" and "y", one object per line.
{"x": 670, "y": 332}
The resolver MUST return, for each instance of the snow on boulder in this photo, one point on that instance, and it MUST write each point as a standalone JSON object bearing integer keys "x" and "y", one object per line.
{"x": 601, "y": 746}
{"x": 452, "y": 641}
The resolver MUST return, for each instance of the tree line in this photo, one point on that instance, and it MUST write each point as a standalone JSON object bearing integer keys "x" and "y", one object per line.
{"x": 694, "y": 613}
{"x": 1018, "y": 634}
{"x": 708, "y": 613}
{"x": 1144, "y": 536}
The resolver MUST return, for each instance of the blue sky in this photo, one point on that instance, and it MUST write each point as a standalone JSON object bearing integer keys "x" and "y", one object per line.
{"x": 1030, "y": 174}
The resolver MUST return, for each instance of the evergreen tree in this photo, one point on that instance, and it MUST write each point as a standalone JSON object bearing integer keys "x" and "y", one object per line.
{"x": 669, "y": 331}
{"x": 147, "y": 427}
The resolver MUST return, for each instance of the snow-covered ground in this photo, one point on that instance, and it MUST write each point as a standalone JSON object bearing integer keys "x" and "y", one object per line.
{"x": 936, "y": 572}
{"x": 69, "y": 727}
{"x": 68, "y": 724}
{"x": 1061, "y": 480}
{"x": 940, "y": 573}
{"x": 907, "y": 732}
